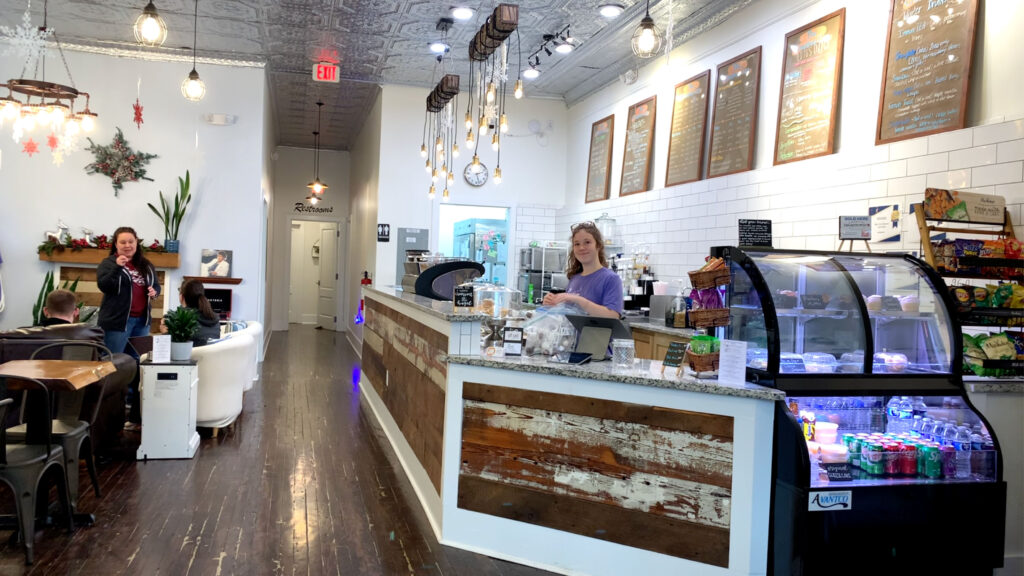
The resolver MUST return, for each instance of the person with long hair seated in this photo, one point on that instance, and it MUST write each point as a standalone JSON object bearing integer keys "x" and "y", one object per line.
{"x": 193, "y": 296}
{"x": 592, "y": 285}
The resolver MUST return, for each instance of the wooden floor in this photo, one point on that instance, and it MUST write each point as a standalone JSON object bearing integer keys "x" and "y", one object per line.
{"x": 304, "y": 483}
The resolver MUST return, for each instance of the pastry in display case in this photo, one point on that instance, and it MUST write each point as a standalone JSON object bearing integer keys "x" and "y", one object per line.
{"x": 876, "y": 442}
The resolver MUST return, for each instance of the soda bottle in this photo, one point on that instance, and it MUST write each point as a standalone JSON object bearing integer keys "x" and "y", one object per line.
{"x": 963, "y": 452}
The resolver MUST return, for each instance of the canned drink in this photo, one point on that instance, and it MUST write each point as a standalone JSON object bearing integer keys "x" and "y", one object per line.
{"x": 948, "y": 461}
{"x": 908, "y": 460}
{"x": 892, "y": 459}
{"x": 871, "y": 458}
{"x": 932, "y": 462}
{"x": 853, "y": 451}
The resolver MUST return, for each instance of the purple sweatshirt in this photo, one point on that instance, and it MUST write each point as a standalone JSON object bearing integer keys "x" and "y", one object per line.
{"x": 602, "y": 287}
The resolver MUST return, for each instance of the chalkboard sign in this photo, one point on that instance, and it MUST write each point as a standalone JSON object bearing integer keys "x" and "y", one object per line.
{"x": 636, "y": 160}
{"x": 599, "y": 166}
{"x": 755, "y": 233}
{"x": 734, "y": 124}
{"x": 837, "y": 471}
{"x": 463, "y": 296}
{"x": 674, "y": 354}
{"x": 689, "y": 123}
{"x": 809, "y": 91}
{"x": 927, "y": 68}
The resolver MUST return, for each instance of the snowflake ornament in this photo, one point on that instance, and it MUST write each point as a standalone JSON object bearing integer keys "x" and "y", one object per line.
{"x": 30, "y": 147}
{"x": 52, "y": 141}
{"x": 137, "y": 107}
{"x": 26, "y": 41}
{"x": 58, "y": 157}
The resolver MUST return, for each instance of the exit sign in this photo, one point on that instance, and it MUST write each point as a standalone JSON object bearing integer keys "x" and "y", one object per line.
{"x": 326, "y": 72}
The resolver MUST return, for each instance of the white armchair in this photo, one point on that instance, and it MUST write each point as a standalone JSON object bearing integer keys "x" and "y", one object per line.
{"x": 224, "y": 371}
{"x": 254, "y": 329}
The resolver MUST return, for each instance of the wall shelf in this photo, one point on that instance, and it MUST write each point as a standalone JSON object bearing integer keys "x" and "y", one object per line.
{"x": 96, "y": 255}
{"x": 214, "y": 280}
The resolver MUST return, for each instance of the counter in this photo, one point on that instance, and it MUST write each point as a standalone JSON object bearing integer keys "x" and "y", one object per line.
{"x": 573, "y": 469}
{"x": 652, "y": 337}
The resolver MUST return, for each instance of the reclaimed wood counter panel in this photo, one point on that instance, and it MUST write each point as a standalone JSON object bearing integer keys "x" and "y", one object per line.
{"x": 648, "y": 477}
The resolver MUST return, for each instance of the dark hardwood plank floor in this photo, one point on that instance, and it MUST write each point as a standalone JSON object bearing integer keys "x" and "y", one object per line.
{"x": 303, "y": 483}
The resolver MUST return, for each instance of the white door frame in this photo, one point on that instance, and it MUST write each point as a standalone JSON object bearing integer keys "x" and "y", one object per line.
{"x": 342, "y": 291}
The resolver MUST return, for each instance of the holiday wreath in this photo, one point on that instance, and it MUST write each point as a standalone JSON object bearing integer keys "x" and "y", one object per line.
{"x": 119, "y": 162}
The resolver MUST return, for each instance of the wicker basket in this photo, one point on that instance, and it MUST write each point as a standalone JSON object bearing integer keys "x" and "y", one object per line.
{"x": 701, "y": 362}
{"x": 709, "y": 317}
{"x": 710, "y": 279}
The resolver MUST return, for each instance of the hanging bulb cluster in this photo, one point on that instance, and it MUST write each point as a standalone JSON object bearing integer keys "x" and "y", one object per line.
{"x": 490, "y": 77}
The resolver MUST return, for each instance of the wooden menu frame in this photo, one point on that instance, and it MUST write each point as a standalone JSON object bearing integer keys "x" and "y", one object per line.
{"x": 633, "y": 166}
{"x": 925, "y": 101}
{"x": 810, "y": 53}
{"x": 688, "y": 133}
{"x": 593, "y": 168}
{"x": 735, "y": 66}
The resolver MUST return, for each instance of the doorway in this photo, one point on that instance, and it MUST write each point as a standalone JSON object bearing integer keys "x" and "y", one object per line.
{"x": 313, "y": 273}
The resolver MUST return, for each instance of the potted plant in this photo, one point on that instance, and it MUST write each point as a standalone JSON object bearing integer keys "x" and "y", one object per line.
{"x": 182, "y": 324}
{"x": 172, "y": 217}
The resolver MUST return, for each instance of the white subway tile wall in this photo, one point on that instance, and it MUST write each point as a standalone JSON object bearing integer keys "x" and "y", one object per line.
{"x": 803, "y": 200}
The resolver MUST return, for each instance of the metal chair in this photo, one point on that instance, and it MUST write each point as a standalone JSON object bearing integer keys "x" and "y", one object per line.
{"x": 68, "y": 427}
{"x": 22, "y": 466}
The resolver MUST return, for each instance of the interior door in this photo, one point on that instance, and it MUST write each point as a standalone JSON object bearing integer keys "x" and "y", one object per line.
{"x": 327, "y": 307}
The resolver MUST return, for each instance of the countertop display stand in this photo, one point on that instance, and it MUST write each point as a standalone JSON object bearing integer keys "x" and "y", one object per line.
{"x": 169, "y": 392}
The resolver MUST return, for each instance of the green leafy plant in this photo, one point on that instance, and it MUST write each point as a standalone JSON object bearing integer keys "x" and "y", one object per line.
{"x": 172, "y": 217}
{"x": 182, "y": 324}
{"x": 44, "y": 292}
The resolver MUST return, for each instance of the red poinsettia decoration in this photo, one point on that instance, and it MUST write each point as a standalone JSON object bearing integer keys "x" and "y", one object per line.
{"x": 137, "y": 107}
{"x": 119, "y": 162}
{"x": 101, "y": 242}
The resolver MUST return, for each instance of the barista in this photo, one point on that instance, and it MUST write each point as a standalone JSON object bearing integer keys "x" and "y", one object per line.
{"x": 592, "y": 285}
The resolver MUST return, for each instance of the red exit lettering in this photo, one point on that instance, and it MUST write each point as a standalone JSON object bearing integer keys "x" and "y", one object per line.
{"x": 326, "y": 72}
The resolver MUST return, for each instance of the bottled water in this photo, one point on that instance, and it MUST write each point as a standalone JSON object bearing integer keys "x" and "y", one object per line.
{"x": 926, "y": 429}
{"x": 876, "y": 417}
{"x": 892, "y": 414}
{"x": 962, "y": 443}
{"x": 920, "y": 408}
{"x": 949, "y": 433}
{"x": 976, "y": 441}
{"x": 905, "y": 413}
{"x": 915, "y": 428}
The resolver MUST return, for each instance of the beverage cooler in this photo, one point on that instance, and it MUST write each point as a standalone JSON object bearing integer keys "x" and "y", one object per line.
{"x": 881, "y": 464}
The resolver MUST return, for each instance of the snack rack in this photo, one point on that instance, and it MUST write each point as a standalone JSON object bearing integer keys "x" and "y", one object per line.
{"x": 796, "y": 308}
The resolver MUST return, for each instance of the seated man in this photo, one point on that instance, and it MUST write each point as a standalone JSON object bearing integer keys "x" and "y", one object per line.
{"x": 60, "y": 308}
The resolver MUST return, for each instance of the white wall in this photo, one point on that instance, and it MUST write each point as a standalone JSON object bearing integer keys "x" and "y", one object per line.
{"x": 804, "y": 199}
{"x": 269, "y": 146}
{"x": 226, "y": 165}
{"x": 363, "y": 200}
{"x": 533, "y": 168}
{"x": 293, "y": 170}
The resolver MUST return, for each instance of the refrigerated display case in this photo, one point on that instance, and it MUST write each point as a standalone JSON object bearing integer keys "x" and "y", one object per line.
{"x": 873, "y": 467}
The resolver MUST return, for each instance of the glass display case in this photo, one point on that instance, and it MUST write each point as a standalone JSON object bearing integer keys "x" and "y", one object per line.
{"x": 876, "y": 443}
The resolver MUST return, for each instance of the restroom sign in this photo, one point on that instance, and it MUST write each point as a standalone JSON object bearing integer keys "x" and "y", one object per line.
{"x": 383, "y": 232}
{"x": 326, "y": 72}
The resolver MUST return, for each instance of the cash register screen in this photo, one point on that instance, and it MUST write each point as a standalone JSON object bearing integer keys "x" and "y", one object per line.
{"x": 220, "y": 301}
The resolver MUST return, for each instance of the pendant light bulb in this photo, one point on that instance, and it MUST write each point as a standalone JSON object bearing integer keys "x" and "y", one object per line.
{"x": 495, "y": 142}
{"x": 427, "y": 166}
{"x": 483, "y": 126}
{"x": 150, "y": 29}
{"x": 519, "y": 89}
{"x": 450, "y": 180}
{"x": 438, "y": 145}
{"x": 440, "y": 156}
{"x": 469, "y": 121}
{"x": 469, "y": 139}
{"x": 646, "y": 40}
{"x": 423, "y": 150}
{"x": 476, "y": 160}
{"x": 193, "y": 88}
{"x": 444, "y": 171}
{"x": 444, "y": 195}
{"x": 497, "y": 175}
{"x": 433, "y": 175}
{"x": 455, "y": 150}
{"x": 313, "y": 199}
{"x": 432, "y": 193}
{"x": 503, "y": 125}
{"x": 88, "y": 121}
{"x": 491, "y": 92}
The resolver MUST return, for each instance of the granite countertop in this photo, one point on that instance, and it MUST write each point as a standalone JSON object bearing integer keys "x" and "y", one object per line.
{"x": 644, "y": 373}
{"x": 657, "y": 325}
{"x": 993, "y": 385}
{"x": 442, "y": 309}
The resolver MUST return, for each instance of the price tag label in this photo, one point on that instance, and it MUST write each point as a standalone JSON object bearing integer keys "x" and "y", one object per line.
{"x": 732, "y": 362}
{"x": 814, "y": 301}
{"x": 463, "y": 297}
{"x": 513, "y": 339}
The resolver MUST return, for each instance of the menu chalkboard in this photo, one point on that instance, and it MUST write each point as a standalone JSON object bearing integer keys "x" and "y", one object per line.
{"x": 735, "y": 118}
{"x": 636, "y": 160}
{"x": 755, "y": 232}
{"x": 927, "y": 68}
{"x": 689, "y": 123}
{"x": 809, "y": 91}
{"x": 599, "y": 166}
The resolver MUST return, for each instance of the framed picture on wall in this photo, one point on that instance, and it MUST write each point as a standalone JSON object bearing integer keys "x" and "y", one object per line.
{"x": 636, "y": 158}
{"x": 215, "y": 263}
{"x": 809, "y": 91}
{"x": 734, "y": 121}
{"x": 599, "y": 165}
{"x": 689, "y": 125}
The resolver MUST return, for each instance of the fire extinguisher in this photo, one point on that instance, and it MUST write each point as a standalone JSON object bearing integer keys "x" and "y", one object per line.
{"x": 364, "y": 281}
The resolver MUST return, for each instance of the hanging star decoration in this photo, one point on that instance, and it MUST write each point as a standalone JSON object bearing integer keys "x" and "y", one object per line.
{"x": 30, "y": 147}
{"x": 52, "y": 141}
{"x": 137, "y": 107}
{"x": 119, "y": 162}
{"x": 26, "y": 41}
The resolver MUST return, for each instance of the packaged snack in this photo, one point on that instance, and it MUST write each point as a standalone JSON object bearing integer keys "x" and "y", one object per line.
{"x": 1001, "y": 296}
{"x": 962, "y": 248}
{"x": 999, "y": 347}
{"x": 992, "y": 249}
{"x": 1018, "y": 342}
{"x": 1017, "y": 300}
{"x": 962, "y": 295}
{"x": 979, "y": 297}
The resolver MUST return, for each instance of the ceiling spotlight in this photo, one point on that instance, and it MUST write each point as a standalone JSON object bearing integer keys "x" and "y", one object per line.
{"x": 610, "y": 10}
{"x": 547, "y": 51}
{"x": 563, "y": 48}
{"x": 438, "y": 47}
{"x": 531, "y": 73}
{"x": 462, "y": 13}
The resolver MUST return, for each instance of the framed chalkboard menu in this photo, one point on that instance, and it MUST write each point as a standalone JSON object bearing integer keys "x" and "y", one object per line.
{"x": 735, "y": 117}
{"x": 927, "y": 68}
{"x": 689, "y": 123}
{"x": 809, "y": 91}
{"x": 636, "y": 161}
{"x": 599, "y": 166}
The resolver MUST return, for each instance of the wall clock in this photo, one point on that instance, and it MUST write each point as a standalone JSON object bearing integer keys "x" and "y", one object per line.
{"x": 475, "y": 175}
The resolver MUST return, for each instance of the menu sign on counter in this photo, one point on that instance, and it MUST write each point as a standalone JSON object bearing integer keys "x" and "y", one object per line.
{"x": 809, "y": 92}
{"x": 599, "y": 166}
{"x": 927, "y": 68}
{"x": 755, "y": 233}
{"x": 636, "y": 161}
{"x": 462, "y": 296}
{"x": 735, "y": 118}
{"x": 855, "y": 227}
{"x": 689, "y": 123}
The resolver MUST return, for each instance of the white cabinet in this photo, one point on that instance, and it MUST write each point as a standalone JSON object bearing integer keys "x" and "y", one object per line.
{"x": 169, "y": 394}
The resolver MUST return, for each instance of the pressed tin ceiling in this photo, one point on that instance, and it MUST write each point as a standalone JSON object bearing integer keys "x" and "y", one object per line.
{"x": 375, "y": 42}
